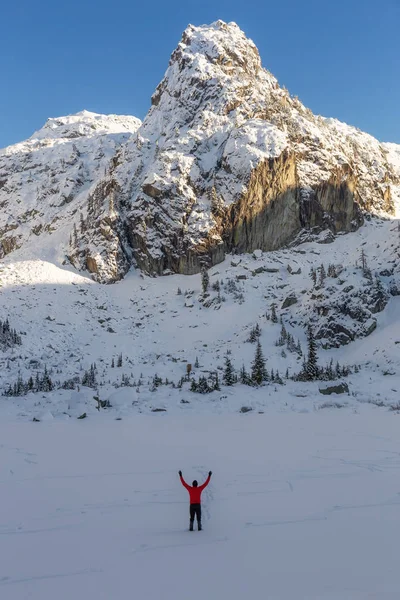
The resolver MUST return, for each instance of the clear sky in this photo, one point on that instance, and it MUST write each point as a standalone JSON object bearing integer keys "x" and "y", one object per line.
{"x": 341, "y": 57}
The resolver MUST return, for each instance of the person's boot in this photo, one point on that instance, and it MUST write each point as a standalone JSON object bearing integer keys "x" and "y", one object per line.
{"x": 199, "y": 526}
{"x": 191, "y": 526}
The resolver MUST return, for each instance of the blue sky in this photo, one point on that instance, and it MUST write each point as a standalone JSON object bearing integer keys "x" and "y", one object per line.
{"x": 341, "y": 58}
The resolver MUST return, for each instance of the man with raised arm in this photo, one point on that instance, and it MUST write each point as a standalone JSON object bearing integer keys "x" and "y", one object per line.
{"x": 195, "y": 499}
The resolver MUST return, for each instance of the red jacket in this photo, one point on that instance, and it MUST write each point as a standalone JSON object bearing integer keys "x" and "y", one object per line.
{"x": 195, "y": 492}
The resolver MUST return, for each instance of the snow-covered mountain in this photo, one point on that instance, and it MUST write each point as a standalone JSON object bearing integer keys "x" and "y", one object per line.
{"x": 226, "y": 160}
{"x": 228, "y": 171}
{"x": 44, "y": 181}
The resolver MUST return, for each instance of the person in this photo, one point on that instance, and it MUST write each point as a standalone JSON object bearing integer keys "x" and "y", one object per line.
{"x": 195, "y": 499}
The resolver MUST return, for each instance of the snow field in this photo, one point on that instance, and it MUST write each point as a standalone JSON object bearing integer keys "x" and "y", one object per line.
{"x": 301, "y": 507}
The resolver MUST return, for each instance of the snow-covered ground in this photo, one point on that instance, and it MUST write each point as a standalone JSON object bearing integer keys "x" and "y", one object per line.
{"x": 69, "y": 322}
{"x": 300, "y": 507}
{"x": 305, "y": 497}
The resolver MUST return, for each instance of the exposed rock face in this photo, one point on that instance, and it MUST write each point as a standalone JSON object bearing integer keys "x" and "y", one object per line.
{"x": 340, "y": 388}
{"x": 289, "y": 301}
{"x": 225, "y": 160}
{"x": 345, "y": 313}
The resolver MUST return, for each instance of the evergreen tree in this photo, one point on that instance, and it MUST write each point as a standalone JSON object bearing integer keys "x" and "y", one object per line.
{"x": 157, "y": 381}
{"x": 89, "y": 377}
{"x": 8, "y": 336}
{"x": 205, "y": 280}
{"x": 112, "y": 363}
{"x": 313, "y": 275}
{"x": 258, "y": 368}
{"x": 311, "y": 364}
{"x": 229, "y": 377}
{"x": 119, "y": 361}
{"x": 363, "y": 260}
{"x": 274, "y": 317}
{"x": 197, "y": 364}
{"x": 329, "y": 371}
{"x": 332, "y": 271}
{"x": 255, "y": 333}
{"x": 82, "y": 223}
{"x": 245, "y": 378}
{"x": 322, "y": 275}
{"x": 217, "y": 387}
{"x": 283, "y": 336}
{"x": 75, "y": 236}
{"x": 202, "y": 386}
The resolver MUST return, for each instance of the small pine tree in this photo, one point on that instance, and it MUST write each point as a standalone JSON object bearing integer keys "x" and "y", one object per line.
{"x": 363, "y": 260}
{"x": 229, "y": 377}
{"x": 112, "y": 363}
{"x": 255, "y": 333}
{"x": 322, "y": 275}
{"x": 332, "y": 271}
{"x": 217, "y": 387}
{"x": 197, "y": 364}
{"x": 274, "y": 317}
{"x": 179, "y": 291}
{"x": 245, "y": 378}
{"x": 258, "y": 368}
{"x": 75, "y": 236}
{"x": 119, "y": 361}
{"x": 205, "y": 280}
{"x": 312, "y": 361}
{"x": 283, "y": 336}
{"x": 330, "y": 371}
{"x": 313, "y": 275}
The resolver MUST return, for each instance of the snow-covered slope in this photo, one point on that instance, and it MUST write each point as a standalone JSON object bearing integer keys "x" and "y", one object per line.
{"x": 144, "y": 329}
{"x": 225, "y": 160}
{"x": 45, "y": 180}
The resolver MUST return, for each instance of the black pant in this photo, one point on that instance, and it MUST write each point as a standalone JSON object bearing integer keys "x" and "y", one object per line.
{"x": 195, "y": 511}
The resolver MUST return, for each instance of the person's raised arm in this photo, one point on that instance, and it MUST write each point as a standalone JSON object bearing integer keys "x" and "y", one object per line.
{"x": 207, "y": 481}
{"x": 183, "y": 482}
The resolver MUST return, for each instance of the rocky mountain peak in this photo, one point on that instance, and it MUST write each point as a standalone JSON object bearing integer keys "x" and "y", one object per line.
{"x": 225, "y": 160}
{"x": 221, "y": 44}
{"x": 214, "y": 67}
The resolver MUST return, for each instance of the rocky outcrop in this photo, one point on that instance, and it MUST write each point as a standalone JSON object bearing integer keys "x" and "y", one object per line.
{"x": 340, "y": 388}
